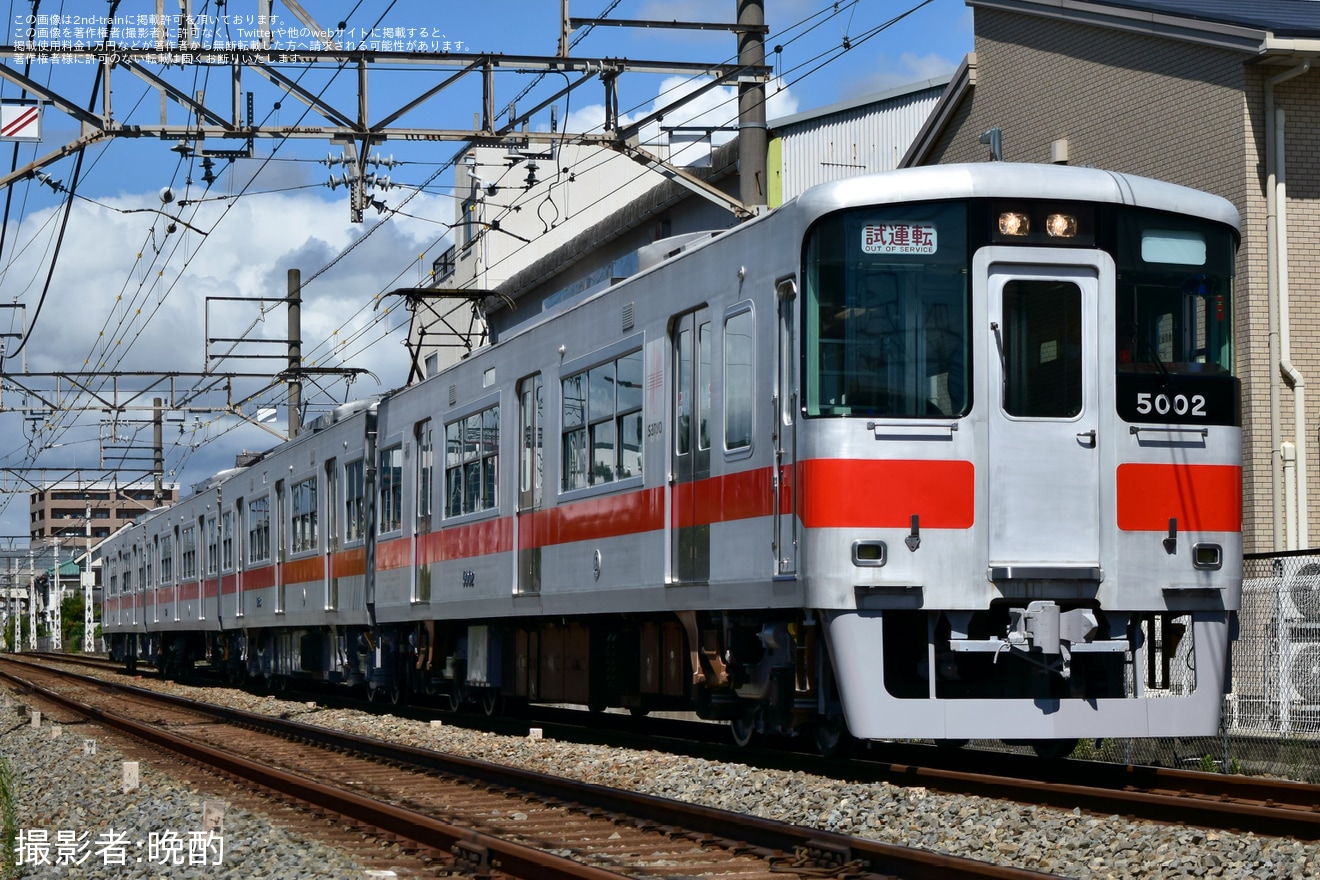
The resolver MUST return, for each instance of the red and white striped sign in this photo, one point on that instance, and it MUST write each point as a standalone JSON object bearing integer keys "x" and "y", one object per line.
{"x": 20, "y": 122}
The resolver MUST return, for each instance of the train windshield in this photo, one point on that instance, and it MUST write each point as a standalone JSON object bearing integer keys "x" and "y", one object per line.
{"x": 1174, "y": 309}
{"x": 886, "y": 312}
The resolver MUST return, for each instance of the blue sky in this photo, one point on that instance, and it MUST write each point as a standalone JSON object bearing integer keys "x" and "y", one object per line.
{"x": 129, "y": 293}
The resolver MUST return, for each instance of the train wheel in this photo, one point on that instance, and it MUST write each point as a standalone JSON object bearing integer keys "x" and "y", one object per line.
{"x": 371, "y": 692}
{"x": 743, "y": 728}
{"x": 490, "y": 702}
{"x": 455, "y": 700}
{"x": 830, "y": 736}
{"x": 1053, "y": 749}
{"x": 396, "y": 694}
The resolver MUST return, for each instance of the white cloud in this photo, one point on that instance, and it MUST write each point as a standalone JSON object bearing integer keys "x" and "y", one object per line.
{"x": 129, "y": 295}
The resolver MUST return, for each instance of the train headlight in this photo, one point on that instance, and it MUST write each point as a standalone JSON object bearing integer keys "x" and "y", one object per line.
{"x": 1061, "y": 226}
{"x": 1014, "y": 223}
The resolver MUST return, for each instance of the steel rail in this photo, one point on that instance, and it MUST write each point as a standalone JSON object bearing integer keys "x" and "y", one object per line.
{"x": 720, "y": 825}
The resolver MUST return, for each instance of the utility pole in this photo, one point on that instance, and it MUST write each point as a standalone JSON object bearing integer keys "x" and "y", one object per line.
{"x": 56, "y": 600}
{"x": 753, "y": 141}
{"x": 295, "y": 352}
{"x": 89, "y": 618}
{"x": 158, "y": 455}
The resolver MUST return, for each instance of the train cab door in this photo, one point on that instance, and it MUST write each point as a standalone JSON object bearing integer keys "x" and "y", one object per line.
{"x": 1043, "y": 418}
{"x": 785, "y": 437}
{"x": 690, "y": 532}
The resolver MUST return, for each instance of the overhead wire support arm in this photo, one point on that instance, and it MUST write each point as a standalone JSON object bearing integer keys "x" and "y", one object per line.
{"x": 685, "y": 179}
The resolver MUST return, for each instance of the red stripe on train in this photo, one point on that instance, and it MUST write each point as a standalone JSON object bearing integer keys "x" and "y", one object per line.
{"x": 1203, "y": 497}
{"x": 856, "y": 493}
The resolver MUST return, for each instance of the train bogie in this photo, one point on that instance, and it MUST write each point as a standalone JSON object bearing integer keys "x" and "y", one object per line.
{"x": 947, "y": 453}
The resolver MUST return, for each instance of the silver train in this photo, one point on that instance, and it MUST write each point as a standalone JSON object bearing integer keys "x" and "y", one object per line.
{"x": 945, "y": 453}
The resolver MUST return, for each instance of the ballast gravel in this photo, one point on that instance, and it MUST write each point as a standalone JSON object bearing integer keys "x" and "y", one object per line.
{"x": 58, "y": 788}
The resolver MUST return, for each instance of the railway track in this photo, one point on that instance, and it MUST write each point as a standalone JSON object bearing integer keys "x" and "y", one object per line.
{"x": 479, "y": 818}
{"x": 1259, "y": 805}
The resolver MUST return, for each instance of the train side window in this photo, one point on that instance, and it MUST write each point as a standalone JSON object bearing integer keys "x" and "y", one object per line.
{"x": 472, "y": 452}
{"x": 601, "y": 421}
{"x": 304, "y": 515}
{"x": 738, "y": 380}
{"x": 259, "y": 529}
{"x": 166, "y": 559}
{"x": 188, "y": 553}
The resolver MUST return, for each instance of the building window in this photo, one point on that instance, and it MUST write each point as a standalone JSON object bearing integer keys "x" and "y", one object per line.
{"x": 259, "y": 529}
{"x": 472, "y": 449}
{"x": 601, "y": 418}
{"x": 304, "y": 515}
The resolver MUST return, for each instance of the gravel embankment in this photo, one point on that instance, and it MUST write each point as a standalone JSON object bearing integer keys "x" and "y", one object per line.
{"x": 64, "y": 790}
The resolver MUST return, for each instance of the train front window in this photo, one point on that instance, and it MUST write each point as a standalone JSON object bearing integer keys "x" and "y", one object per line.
{"x": 1174, "y": 295}
{"x": 886, "y": 313}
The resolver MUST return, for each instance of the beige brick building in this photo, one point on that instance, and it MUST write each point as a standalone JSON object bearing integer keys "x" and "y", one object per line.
{"x": 1179, "y": 90}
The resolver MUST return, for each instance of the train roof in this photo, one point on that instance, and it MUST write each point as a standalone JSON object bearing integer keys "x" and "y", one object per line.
{"x": 1014, "y": 179}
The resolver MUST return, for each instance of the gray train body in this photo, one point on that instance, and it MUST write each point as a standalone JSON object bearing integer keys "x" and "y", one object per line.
{"x": 943, "y": 453}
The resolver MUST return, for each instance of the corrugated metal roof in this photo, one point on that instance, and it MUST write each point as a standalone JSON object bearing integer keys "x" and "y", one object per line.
{"x": 856, "y": 138}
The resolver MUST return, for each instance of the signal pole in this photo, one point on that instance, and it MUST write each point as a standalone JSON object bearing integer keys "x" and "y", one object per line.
{"x": 753, "y": 142}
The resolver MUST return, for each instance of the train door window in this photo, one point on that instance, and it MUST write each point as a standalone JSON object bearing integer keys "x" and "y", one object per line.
{"x": 148, "y": 555}
{"x": 305, "y": 536}
{"x": 425, "y": 475}
{"x": 354, "y": 509}
{"x": 227, "y": 541}
{"x": 331, "y": 532}
{"x": 391, "y": 476}
{"x": 1042, "y": 339}
{"x": 531, "y": 415}
{"x": 738, "y": 379}
{"x": 278, "y": 537}
{"x": 258, "y": 514}
{"x": 690, "y": 542}
{"x": 212, "y": 547}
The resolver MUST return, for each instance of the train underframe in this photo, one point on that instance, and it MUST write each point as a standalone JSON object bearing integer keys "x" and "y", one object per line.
{"x": 762, "y": 672}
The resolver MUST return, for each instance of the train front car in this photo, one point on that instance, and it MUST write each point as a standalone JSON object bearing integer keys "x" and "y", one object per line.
{"x": 1018, "y": 452}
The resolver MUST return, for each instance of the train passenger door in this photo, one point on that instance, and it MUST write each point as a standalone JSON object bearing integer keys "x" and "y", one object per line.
{"x": 785, "y": 416}
{"x": 690, "y": 534}
{"x": 1044, "y": 459}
